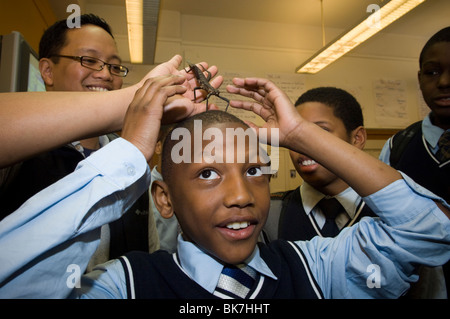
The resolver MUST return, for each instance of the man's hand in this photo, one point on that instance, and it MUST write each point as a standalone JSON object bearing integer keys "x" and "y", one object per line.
{"x": 177, "y": 108}
{"x": 143, "y": 117}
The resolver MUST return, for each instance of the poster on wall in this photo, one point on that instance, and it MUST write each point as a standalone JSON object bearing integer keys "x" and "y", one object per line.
{"x": 391, "y": 102}
{"x": 423, "y": 107}
{"x": 292, "y": 84}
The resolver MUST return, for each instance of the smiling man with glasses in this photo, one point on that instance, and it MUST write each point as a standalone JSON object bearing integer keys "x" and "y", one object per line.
{"x": 97, "y": 64}
{"x": 74, "y": 59}
{"x": 80, "y": 59}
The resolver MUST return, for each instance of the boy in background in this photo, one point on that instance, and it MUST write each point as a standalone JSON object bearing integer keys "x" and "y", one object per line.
{"x": 324, "y": 204}
{"x": 422, "y": 150}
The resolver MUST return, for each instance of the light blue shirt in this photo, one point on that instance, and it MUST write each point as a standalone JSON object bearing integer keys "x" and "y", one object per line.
{"x": 47, "y": 243}
{"x": 433, "y": 280}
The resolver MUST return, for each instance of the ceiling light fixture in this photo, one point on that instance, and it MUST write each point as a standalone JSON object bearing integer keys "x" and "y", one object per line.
{"x": 142, "y": 21}
{"x": 135, "y": 29}
{"x": 377, "y": 21}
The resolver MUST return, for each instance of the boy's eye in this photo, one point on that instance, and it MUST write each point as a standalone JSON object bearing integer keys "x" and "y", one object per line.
{"x": 431, "y": 72}
{"x": 323, "y": 127}
{"x": 208, "y": 174}
{"x": 254, "y": 171}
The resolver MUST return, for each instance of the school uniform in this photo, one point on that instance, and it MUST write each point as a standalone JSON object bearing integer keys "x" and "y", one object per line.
{"x": 413, "y": 151}
{"x": 287, "y": 275}
{"x": 417, "y": 157}
{"x": 301, "y": 219}
{"x": 65, "y": 234}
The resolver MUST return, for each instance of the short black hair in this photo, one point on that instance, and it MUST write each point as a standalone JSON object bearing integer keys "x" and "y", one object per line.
{"x": 345, "y": 106}
{"x": 54, "y": 38}
{"x": 442, "y": 35}
{"x": 208, "y": 118}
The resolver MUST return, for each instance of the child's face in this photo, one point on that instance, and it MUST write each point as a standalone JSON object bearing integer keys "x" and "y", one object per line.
{"x": 312, "y": 172}
{"x": 221, "y": 207}
{"x": 434, "y": 79}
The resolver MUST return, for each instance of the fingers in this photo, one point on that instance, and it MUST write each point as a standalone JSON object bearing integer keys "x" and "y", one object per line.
{"x": 164, "y": 85}
{"x": 217, "y": 81}
{"x": 178, "y": 108}
{"x": 143, "y": 117}
{"x": 250, "y": 87}
{"x": 259, "y": 109}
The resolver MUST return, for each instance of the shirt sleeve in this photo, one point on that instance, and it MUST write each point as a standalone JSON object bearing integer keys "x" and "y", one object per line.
{"x": 105, "y": 281}
{"x": 47, "y": 243}
{"x": 386, "y": 152}
{"x": 377, "y": 257}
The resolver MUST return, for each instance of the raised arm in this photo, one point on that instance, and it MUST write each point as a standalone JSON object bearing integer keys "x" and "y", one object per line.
{"x": 357, "y": 168}
{"x": 98, "y": 192}
{"x": 33, "y": 122}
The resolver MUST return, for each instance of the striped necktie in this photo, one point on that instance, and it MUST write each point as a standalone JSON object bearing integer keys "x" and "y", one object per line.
{"x": 235, "y": 281}
{"x": 443, "y": 154}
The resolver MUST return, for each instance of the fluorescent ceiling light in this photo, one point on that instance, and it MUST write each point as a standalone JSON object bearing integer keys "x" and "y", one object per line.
{"x": 142, "y": 21}
{"x": 135, "y": 13}
{"x": 377, "y": 21}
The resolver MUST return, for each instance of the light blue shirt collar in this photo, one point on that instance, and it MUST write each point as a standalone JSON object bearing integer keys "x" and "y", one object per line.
{"x": 205, "y": 270}
{"x": 431, "y": 132}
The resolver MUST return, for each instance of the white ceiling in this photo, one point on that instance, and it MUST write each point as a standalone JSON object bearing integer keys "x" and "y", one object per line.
{"x": 337, "y": 13}
{"x": 423, "y": 21}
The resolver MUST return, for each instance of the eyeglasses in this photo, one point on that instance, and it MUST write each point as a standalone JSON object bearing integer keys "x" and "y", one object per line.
{"x": 97, "y": 64}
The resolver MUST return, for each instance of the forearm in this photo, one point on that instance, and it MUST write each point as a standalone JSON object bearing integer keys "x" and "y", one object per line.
{"x": 34, "y": 122}
{"x": 56, "y": 231}
{"x": 409, "y": 232}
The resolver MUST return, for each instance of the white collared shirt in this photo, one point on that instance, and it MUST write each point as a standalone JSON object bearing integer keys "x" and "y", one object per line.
{"x": 349, "y": 199}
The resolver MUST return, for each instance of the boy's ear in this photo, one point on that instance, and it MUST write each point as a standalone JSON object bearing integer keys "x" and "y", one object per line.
{"x": 46, "y": 69}
{"x": 158, "y": 148}
{"x": 161, "y": 198}
{"x": 359, "y": 137}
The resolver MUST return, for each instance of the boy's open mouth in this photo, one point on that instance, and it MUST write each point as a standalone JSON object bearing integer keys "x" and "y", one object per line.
{"x": 238, "y": 225}
{"x": 237, "y": 230}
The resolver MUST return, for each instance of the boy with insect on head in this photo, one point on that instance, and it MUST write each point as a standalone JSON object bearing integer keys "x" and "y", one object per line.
{"x": 222, "y": 208}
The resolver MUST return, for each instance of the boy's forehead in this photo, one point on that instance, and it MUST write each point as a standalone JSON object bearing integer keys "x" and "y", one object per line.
{"x": 217, "y": 137}
{"x": 436, "y": 50}
{"x": 223, "y": 143}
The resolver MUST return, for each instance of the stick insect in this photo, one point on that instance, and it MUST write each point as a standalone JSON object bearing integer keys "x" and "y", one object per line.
{"x": 204, "y": 84}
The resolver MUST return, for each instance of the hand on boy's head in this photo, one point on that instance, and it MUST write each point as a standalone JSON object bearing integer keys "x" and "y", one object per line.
{"x": 178, "y": 107}
{"x": 143, "y": 118}
{"x": 270, "y": 103}
{"x": 171, "y": 67}
{"x": 192, "y": 83}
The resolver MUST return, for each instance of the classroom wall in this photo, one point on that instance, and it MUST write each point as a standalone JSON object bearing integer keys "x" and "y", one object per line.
{"x": 381, "y": 74}
{"x": 257, "y": 48}
{"x": 29, "y": 17}
{"x": 385, "y": 83}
